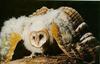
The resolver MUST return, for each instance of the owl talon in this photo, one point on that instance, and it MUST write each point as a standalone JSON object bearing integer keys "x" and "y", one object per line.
{"x": 31, "y": 56}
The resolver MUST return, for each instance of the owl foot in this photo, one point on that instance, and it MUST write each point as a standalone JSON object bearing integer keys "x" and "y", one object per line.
{"x": 31, "y": 56}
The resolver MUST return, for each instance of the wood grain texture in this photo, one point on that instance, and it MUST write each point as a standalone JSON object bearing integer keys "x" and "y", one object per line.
{"x": 42, "y": 60}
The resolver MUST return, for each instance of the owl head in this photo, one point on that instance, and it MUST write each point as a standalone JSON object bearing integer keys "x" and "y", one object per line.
{"x": 38, "y": 38}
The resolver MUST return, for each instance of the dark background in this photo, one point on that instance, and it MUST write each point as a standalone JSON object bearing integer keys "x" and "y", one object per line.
{"x": 90, "y": 11}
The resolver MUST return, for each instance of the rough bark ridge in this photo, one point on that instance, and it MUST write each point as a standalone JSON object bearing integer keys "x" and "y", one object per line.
{"x": 61, "y": 59}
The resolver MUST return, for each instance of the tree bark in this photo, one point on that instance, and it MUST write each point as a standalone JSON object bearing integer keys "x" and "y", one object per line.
{"x": 62, "y": 59}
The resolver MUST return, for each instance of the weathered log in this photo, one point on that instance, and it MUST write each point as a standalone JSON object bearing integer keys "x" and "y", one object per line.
{"x": 42, "y": 60}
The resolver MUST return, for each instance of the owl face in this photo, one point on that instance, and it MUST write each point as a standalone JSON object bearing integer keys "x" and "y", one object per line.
{"x": 38, "y": 38}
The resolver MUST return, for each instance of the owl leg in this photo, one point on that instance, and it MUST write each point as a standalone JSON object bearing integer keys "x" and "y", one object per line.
{"x": 57, "y": 36}
{"x": 13, "y": 41}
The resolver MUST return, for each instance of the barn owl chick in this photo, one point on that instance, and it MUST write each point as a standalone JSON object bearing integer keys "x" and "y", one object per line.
{"x": 34, "y": 30}
{"x": 34, "y": 40}
{"x": 57, "y": 27}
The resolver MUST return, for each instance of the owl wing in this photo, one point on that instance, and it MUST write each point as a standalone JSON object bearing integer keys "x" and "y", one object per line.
{"x": 70, "y": 36}
{"x": 62, "y": 31}
{"x": 56, "y": 33}
{"x": 8, "y": 46}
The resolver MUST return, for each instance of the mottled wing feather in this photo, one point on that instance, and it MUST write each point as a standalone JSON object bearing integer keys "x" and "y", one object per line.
{"x": 14, "y": 39}
{"x": 57, "y": 36}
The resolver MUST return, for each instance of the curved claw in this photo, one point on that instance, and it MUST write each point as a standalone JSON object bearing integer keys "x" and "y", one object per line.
{"x": 31, "y": 56}
{"x": 13, "y": 41}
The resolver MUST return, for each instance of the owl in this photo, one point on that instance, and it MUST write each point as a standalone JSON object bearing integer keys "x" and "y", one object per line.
{"x": 61, "y": 28}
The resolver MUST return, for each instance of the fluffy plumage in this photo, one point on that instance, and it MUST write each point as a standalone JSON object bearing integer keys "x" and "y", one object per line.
{"x": 24, "y": 26}
{"x": 45, "y": 26}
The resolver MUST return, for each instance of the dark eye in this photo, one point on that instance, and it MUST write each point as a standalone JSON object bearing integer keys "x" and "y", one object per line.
{"x": 33, "y": 37}
{"x": 40, "y": 36}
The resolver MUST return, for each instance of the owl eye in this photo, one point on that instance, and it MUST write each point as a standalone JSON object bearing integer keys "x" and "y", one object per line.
{"x": 40, "y": 36}
{"x": 33, "y": 37}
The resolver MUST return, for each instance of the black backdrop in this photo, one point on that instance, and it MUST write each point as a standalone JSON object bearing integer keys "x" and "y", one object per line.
{"x": 90, "y": 11}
